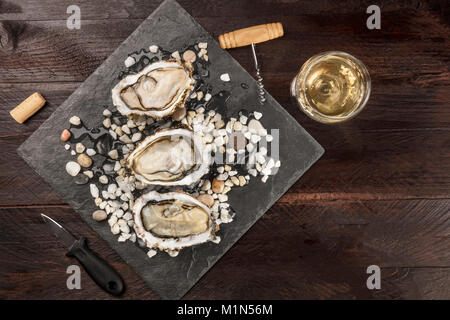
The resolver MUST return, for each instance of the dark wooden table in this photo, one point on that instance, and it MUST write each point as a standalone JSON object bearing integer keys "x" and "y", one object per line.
{"x": 380, "y": 195}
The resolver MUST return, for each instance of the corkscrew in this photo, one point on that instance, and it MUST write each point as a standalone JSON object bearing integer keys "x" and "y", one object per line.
{"x": 251, "y": 36}
{"x": 259, "y": 79}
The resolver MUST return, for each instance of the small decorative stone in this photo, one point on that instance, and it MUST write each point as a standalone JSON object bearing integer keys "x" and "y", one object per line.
{"x": 206, "y": 199}
{"x": 65, "y": 135}
{"x": 76, "y": 121}
{"x": 107, "y": 113}
{"x": 222, "y": 197}
{"x": 151, "y": 253}
{"x": 129, "y": 62}
{"x": 99, "y": 215}
{"x": 189, "y": 55}
{"x": 84, "y": 160}
{"x": 72, "y": 168}
{"x": 176, "y": 55}
{"x": 125, "y": 139}
{"x": 264, "y": 179}
{"x": 67, "y": 146}
{"x": 206, "y": 185}
{"x": 153, "y": 49}
{"x": 225, "y": 77}
{"x": 242, "y": 181}
{"x": 235, "y": 180}
{"x": 113, "y": 154}
{"x": 103, "y": 179}
{"x": 208, "y": 97}
{"x": 126, "y": 129}
{"x": 217, "y": 186}
{"x": 89, "y": 174}
{"x": 257, "y": 115}
{"x": 254, "y": 126}
{"x": 94, "y": 190}
{"x": 136, "y": 137}
{"x": 91, "y": 152}
{"x": 203, "y": 45}
{"x": 79, "y": 147}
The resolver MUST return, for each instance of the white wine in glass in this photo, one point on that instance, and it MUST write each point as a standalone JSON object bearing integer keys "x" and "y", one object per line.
{"x": 332, "y": 87}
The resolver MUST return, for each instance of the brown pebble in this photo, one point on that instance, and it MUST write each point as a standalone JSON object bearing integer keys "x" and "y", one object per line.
{"x": 217, "y": 186}
{"x": 65, "y": 135}
{"x": 99, "y": 215}
{"x": 84, "y": 160}
{"x": 189, "y": 55}
{"x": 179, "y": 114}
{"x": 206, "y": 199}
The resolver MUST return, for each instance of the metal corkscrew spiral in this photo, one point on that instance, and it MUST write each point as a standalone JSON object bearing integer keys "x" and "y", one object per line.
{"x": 259, "y": 79}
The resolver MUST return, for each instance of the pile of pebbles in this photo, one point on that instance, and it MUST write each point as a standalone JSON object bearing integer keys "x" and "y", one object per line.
{"x": 239, "y": 148}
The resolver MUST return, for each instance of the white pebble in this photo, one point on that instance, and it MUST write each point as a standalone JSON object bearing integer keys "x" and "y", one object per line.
{"x": 222, "y": 197}
{"x": 67, "y": 146}
{"x": 107, "y": 113}
{"x": 113, "y": 154}
{"x": 91, "y": 152}
{"x": 79, "y": 147}
{"x": 103, "y": 179}
{"x": 75, "y": 121}
{"x": 151, "y": 253}
{"x": 94, "y": 190}
{"x": 73, "y": 168}
{"x": 115, "y": 229}
{"x": 203, "y": 45}
{"x": 136, "y": 137}
{"x": 153, "y": 49}
{"x": 255, "y": 138}
{"x": 269, "y": 138}
{"x": 257, "y": 115}
{"x": 129, "y": 62}
{"x": 243, "y": 119}
{"x": 225, "y": 77}
{"x": 176, "y": 55}
{"x": 264, "y": 179}
{"x": 277, "y": 164}
{"x": 208, "y": 97}
{"x": 89, "y": 173}
{"x": 73, "y": 152}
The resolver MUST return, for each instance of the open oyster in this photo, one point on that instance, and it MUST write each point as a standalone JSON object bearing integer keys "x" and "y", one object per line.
{"x": 170, "y": 157}
{"x": 172, "y": 221}
{"x": 156, "y": 91}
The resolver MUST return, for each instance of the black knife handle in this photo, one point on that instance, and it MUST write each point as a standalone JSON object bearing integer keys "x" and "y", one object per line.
{"x": 101, "y": 272}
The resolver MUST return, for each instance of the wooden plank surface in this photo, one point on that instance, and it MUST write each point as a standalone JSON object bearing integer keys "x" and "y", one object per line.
{"x": 380, "y": 195}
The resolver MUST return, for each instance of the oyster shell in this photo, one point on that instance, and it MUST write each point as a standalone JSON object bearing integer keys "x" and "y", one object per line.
{"x": 156, "y": 91}
{"x": 170, "y": 157}
{"x": 172, "y": 221}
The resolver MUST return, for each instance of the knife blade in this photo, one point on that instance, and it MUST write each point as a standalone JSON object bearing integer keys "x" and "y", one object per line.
{"x": 101, "y": 272}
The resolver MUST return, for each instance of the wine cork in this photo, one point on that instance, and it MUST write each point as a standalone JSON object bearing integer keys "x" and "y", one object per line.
{"x": 247, "y": 36}
{"x": 28, "y": 107}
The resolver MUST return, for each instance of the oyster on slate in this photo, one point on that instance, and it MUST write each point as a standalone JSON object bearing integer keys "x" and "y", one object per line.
{"x": 170, "y": 157}
{"x": 172, "y": 221}
{"x": 157, "y": 91}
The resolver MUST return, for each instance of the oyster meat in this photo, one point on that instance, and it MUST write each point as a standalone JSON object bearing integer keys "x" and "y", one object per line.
{"x": 170, "y": 157}
{"x": 157, "y": 91}
{"x": 172, "y": 221}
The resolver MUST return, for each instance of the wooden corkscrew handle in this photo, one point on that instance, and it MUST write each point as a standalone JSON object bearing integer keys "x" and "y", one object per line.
{"x": 247, "y": 36}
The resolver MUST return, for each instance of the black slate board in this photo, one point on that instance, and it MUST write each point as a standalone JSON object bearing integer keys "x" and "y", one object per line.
{"x": 171, "y": 27}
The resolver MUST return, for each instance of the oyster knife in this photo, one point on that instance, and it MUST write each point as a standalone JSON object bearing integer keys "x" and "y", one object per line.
{"x": 101, "y": 272}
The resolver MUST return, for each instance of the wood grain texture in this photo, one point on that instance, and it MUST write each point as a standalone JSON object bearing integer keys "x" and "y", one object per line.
{"x": 380, "y": 195}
